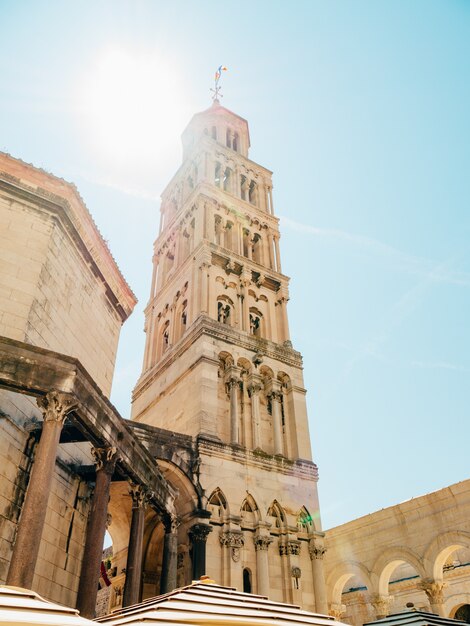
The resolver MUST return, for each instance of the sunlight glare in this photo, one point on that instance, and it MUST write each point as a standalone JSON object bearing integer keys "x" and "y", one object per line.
{"x": 131, "y": 106}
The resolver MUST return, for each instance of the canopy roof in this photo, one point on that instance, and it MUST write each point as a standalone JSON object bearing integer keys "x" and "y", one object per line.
{"x": 416, "y": 618}
{"x": 208, "y": 603}
{"x": 21, "y": 606}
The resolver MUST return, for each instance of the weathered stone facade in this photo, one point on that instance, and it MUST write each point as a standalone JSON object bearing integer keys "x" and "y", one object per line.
{"x": 219, "y": 368}
{"x": 415, "y": 552}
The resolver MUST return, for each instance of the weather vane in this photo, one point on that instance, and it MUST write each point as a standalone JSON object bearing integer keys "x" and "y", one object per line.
{"x": 216, "y": 91}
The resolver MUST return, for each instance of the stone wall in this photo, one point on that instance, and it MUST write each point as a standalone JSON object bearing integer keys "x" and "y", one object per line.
{"x": 415, "y": 552}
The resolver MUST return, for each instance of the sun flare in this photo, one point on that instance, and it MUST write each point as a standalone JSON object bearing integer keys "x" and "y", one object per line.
{"x": 130, "y": 105}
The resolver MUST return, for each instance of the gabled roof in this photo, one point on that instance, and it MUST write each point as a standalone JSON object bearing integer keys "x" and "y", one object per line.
{"x": 21, "y": 606}
{"x": 208, "y": 603}
{"x": 416, "y": 618}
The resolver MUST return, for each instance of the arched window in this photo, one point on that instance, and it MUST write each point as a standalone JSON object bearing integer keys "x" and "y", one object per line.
{"x": 235, "y": 142}
{"x": 217, "y": 504}
{"x": 228, "y": 179}
{"x": 228, "y": 138}
{"x": 246, "y": 243}
{"x": 181, "y": 320}
{"x": 217, "y": 173}
{"x": 249, "y": 511}
{"x": 256, "y": 322}
{"x": 164, "y": 338}
{"x": 225, "y": 310}
{"x": 247, "y": 586}
{"x": 257, "y": 243}
{"x": 218, "y": 230}
{"x": 252, "y": 193}
{"x": 305, "y": 521}
{"x": 214, "y": 132}
{"x": 243, "y": 188}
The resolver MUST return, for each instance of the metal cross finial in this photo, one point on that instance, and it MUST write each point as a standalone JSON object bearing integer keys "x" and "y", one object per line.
{"x": 216, "y": 91}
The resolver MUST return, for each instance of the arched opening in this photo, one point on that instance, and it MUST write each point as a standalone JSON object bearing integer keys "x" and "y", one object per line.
{"x": 214, "y": 132}
{"x": 252, "y": 193}
{"x": 243, "y": 187}
{"x": 217, "y": 505}
{"x": 257, "y": 245}
{"x": 235, "y": 142}
{"x": 462, "y": 613}
{"x": 217, "y": 174}
{"x": 256, "y": 322}
{"x": 164, "y": 338}
{"x": 227, "y": 179}
{"x": 218, "y": 230}
{"x": 249, "y": 512}
{"x": 225, "y": 311}
{"x": 246, "y": 243}
{"x": 276, "y": 515}
{"x": 228, "y": 138}
{"x": 247, "y": 586}
{"x": 305, "y": 521}
{"x": 181, "y": 320}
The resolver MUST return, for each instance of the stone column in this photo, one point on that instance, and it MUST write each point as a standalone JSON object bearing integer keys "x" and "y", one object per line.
{"x": 134, "y": 551}
{"x": 232, "y": 542}
{"x": 278, "y": 257}
{"x": 254, "y": 387}
{"x": 381, "y": 604}
{"x": 271, "y": 207}
{"x": 262, "y": 543}
{"x": 277, "y": 426}
{"x": 55, "y": 406}
{"x": 170, "y": 554}
{"x": 317, "y": 550}
{"x": 105, "y": 459}
{"x": 232, "y": 380}
{"x": 434, "y": 589}
{"x": 198, "y": 534}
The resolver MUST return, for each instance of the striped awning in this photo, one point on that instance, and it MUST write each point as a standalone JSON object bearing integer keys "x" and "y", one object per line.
{"x": 208, "y": 603}
{"x": 21, "y": 606}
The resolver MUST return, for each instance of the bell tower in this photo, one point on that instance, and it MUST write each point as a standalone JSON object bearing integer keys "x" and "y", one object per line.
{"x": 219, "y": 365}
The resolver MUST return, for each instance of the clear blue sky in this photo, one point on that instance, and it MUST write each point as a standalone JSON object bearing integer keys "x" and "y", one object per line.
{"x": 361, "y": 109}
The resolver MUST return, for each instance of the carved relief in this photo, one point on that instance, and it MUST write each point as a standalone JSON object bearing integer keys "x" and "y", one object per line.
{"x": 56, "y": 405}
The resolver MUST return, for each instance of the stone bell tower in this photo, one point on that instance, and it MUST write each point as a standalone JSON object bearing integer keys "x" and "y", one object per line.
{"x": 219, "y": 367}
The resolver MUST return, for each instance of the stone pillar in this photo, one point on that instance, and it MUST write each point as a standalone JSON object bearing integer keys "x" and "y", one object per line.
{"x": 317, "y": 550}
{"x": 232, "y": 380}
{"x": 134, "y": 551}
{"x": 262, "y": 543}
{"x": 271, "y": 207}
{"x": 232, "y": 543}
{"x": 381, "y": 604}
{"x": 254, "y": 387}
{"x": 204, "y": 267}
{"x": 105, "y": 459}
{"x": 277, "y": 426}
{"x": 55, "y": 406}
{"x": 198, "y": 534}
{"x": 434, "y": 589}
{"x": 278, "y": 257}
{"x": 170, "y": 554}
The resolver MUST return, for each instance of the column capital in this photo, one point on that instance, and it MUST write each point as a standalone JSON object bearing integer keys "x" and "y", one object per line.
{"x": 200, "y": 532}
{"x": 233, "y": 540}
{"x": 105, "y": 458}
{"x": 255, "y": 384}
{"x": 56, "y": 405}
{"x": 289, "y": 548}
{"x": 262, "y": 542}
{"x": 381, "y": 604}
{"x": 337, "y": 610}
{"x": 140, "y": 496}
{"x": 434, "y": 589}
{"x": 316, "y": 548}
{"x": 171, "y": 523}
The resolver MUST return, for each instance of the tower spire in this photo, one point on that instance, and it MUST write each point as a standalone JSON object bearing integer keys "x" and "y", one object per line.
{"x": 216, "y": 91}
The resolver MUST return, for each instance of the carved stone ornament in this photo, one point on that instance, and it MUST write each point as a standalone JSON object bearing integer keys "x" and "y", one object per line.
{"x": 105, "y": 458}
{"x": 434, "y": 590}
{"x": 289, "y": 548}
{"x": 140, "y": 496}
{"x": 262, "y": 542}
{"x": 381, "y": 605}
{"x": 56, "y": 405}
{"x": 337, "y": 611}
{"x": 234, "y": 541}
{"x": 296, "y": 572}
{"x": 200, "y": 532}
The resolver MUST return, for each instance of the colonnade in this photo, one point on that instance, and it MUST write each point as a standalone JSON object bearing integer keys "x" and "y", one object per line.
{"x": 55, "y": 407}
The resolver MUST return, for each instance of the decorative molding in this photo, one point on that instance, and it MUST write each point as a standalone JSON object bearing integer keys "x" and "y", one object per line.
{"x": 289, "y": 548}
{"x": 262, "y": 542}
{"x": 105, "y": 459}
{"x": 56, "y": 405}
